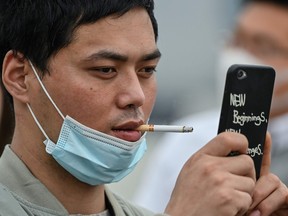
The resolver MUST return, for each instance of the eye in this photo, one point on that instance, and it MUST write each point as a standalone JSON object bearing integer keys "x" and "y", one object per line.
{"x": 147, "y": 71}
{"x": 105, "y": 70}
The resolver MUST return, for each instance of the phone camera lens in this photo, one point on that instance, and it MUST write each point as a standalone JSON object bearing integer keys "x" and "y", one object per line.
{"x": 241, "y": 74}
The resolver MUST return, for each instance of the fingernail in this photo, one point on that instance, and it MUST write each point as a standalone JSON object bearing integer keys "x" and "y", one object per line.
{"x": 255, "y": 213}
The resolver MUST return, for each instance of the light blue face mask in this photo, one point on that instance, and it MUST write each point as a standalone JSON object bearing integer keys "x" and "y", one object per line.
{"x": 89, "y": 155}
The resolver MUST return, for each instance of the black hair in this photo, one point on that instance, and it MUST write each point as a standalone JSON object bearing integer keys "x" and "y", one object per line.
{"x": 38, "y": 29}
{"x": 275, "y": 2}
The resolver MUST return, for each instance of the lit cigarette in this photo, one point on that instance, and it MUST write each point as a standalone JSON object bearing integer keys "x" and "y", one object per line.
{"x": 165, "y": 128}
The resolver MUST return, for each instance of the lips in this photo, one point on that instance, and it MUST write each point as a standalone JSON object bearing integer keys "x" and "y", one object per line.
{"x": 127, "y": 131}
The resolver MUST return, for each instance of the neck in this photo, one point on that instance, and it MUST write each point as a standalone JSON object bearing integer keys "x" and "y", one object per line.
{"x": 27, "y": 143}
{"x": 77, "y": 197}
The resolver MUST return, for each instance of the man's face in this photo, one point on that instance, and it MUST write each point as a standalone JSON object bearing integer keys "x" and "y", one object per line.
{"x": 262, "y": 30}
{"x": 104, "y": 78}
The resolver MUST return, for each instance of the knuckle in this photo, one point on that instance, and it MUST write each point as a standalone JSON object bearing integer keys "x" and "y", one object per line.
{"x": 225, "y": 198}
{"x": 249, "y": 161}
{"x": 208, "y": 168}
{"x": 227, "y": 137}
{"x": 258, "y": 193}
{"x": 205, "y": 164}
{"x": 273, "y": 179}
{"x": 218, "y": 179}
{"x": 244, "y": 203}
{"x": 194, "y": 160}
{"x": 250, "y": 185}
{"x": 232, "y": 137}
{"x": 265, "y": 208}
{"x": 239, "y": 204}
{"x": 247, "y": 202}
{"x": 284, "y": 191}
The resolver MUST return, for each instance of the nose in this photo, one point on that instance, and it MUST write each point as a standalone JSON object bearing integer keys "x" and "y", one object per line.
{"x": 131, "y": 92}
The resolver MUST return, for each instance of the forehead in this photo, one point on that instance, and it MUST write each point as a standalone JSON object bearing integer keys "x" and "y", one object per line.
{"x": 266, "y": 19}
{"x": 134, "y": 24}
{"x": 130, "y": 35}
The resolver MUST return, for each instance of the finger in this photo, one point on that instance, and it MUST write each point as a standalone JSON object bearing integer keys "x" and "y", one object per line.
{"x": 266, "y": 161}
{"x": 274, "y": 202}
{"x": 243, "y": 184}
{"x": 244, "y": 201}
{"x": 269, "y": 194}
{"x": 221, "y": 177}
{"x": 241, "y": 165}
{"x": 264, "y": 187}
{"x": 234, "y": 202}
{"x": 225, "y": 143}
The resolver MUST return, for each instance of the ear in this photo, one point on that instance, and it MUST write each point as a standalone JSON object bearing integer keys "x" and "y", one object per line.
{"x": 14, "y": 76}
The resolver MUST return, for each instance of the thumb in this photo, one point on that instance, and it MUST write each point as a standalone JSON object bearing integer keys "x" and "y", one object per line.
{"x": 266, "y": 160}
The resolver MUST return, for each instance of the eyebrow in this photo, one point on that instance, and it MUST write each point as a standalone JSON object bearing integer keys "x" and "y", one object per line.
{"x": 112, "y": 55}
{"x": 151, "y": 56}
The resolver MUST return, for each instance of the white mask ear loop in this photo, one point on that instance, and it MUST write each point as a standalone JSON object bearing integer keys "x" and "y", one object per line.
{"x": 50, "y": 146}
{"x": 37, "y": 122}
{"x": 44, "y": 89}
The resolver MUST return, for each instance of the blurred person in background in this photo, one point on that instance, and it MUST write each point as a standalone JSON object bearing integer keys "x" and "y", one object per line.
{"x": 6, "y": 122}
{"x": 260, "y": 37}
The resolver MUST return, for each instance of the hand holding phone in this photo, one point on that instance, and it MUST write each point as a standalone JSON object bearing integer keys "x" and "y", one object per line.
{"x": 246, "y": 106}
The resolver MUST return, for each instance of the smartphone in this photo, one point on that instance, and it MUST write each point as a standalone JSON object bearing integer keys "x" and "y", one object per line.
{"x": 246, "y": 106}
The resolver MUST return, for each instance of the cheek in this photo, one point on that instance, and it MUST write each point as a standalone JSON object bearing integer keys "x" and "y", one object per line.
{"x": 80, "y": 101}
{"x": 90, "y": 101}
{"x": 277, "y": 64}
{"x": 90, "y": 108}
{"x": 150, "y": 98}
{"x": 281, "y": 82}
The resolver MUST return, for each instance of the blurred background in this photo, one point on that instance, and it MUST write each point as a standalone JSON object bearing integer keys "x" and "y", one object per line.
{"x": 191, "y": 33}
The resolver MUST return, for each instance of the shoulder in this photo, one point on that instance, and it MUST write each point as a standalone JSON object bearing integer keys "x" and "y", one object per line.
{"x": 8, "y": 204}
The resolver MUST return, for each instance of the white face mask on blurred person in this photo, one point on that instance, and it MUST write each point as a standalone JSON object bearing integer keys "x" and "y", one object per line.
{"x": 278, "y": 126}
{"x": 280, "y": 96}
{"x": 228, "y": 57}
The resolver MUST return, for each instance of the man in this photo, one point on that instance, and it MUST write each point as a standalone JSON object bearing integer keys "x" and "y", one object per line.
{"x": 81, "y": 77}
{"x": 259, "y": 37}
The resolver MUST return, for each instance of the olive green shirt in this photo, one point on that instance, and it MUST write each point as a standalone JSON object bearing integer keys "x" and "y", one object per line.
{"x": 21, "y": 194}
